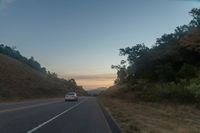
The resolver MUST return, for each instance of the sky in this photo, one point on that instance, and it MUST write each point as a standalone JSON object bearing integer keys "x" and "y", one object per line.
{"x": 81, "y": 38}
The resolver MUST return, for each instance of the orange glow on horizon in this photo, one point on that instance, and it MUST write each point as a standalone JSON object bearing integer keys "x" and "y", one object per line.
{"x": 94, "y": 84}
{"x": 93, "y": 81}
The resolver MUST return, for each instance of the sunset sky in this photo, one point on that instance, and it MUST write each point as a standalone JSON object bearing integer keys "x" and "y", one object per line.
{"x": 81, "y": 38}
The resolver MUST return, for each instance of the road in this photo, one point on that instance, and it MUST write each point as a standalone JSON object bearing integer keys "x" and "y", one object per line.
{"x": 53, "y": 116}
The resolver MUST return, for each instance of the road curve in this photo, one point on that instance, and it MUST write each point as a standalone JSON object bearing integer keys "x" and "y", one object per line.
{"x": 53, "y": 116}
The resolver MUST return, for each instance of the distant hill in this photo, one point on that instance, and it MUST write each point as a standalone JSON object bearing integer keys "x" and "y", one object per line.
{"x": 97, "y": 91}
{"x": 20, "y": 81}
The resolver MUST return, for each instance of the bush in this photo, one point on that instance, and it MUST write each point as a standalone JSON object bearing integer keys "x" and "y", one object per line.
{"x": 195, "y": 91}
{"x": 181, "y": 92}
{"x": 187, "y": 72}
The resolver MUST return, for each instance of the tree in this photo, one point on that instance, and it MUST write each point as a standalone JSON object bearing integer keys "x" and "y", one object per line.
{"x": 134, "y": 52}
{"x": 166, "y": 58}
{"x": 195, "y": 13}
{"x": 14, "y": 53}
{"x": 187, "y": 72}
{"x": 121, "y": 73}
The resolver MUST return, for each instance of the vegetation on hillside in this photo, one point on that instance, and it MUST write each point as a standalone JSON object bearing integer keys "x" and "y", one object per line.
{"x": 22, "y": 78}
{"x": 169, "y": 70}
{"x": 14, "y": 53}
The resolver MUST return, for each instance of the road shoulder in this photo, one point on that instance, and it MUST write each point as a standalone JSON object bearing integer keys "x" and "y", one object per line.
{"x": 111, "y": 122}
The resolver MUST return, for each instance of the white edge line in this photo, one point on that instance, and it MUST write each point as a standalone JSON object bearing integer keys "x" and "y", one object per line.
{"x": 106, "y": 122}
{"x": 44, "y": 123}
{"x": 104, "y": 117}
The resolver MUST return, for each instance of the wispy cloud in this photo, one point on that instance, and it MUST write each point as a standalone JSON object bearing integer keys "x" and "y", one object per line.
{"x": 94, "y": 80}
{"x": 4, "y": 5}
{"x": 106, "y": 76}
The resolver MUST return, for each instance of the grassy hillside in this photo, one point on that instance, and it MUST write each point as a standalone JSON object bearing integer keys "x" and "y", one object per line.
{"x": 20, "y": 81}
{"x": 96, "y": 92}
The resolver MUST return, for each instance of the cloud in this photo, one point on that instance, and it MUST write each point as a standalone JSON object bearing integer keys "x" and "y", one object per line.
{"x": 4, "y": 5}
{"x": 94, "y": 80}
{"x": 106, "y": 76}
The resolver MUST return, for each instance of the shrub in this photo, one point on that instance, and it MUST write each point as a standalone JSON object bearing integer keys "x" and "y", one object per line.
{"x": 195, "y": 91}
{"x": 187, "y": 72}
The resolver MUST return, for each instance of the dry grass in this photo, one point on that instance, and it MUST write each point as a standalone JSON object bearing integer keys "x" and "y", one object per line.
{"x": 18, "y": 81}
{"x": 141, "y": 117}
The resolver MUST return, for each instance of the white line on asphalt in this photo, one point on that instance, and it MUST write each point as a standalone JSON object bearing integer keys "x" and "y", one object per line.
{"x": 41, "y": 125}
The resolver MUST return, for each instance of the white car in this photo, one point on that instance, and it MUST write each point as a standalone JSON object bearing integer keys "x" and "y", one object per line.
{"x": 71, "y": 96}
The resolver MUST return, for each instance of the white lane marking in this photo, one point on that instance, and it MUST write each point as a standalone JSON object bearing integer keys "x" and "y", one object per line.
{"x": 43, "y": 124}
{"x": 26, "y": 107}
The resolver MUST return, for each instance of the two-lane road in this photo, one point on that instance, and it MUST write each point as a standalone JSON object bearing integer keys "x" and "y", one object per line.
{"x": 53, "y": 116}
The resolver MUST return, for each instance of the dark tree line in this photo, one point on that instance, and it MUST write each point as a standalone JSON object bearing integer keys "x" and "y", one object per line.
{"x": 174, "y": 56}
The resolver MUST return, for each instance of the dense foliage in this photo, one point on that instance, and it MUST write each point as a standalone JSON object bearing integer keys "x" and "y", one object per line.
{"x": 173, "y": 63}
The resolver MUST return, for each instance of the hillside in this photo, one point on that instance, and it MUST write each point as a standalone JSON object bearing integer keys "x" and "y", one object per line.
{"x": 96, "y": 92}
{"x": 20, "y": 81}
{"x": 169, "y": 70}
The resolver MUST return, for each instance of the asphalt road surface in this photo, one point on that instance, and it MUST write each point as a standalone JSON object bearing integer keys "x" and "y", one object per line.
{"x": 53, "y": 116}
